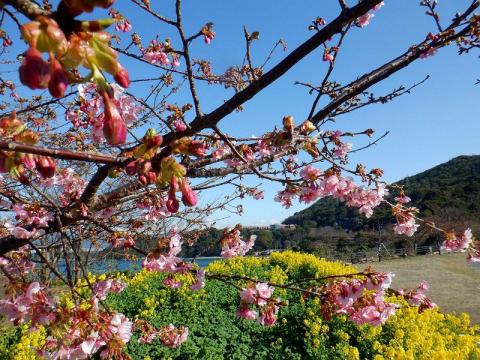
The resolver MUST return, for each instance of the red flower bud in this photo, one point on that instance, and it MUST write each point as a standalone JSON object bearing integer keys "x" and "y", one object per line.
{"x": 197, "y": 148}
{"x": 143, "y": 179}
{"x": 152, "y": 177}
{"x": 131, "y": 168}
{"x": 189, "y": 197}
{"x": 172, "y": 202}
{"x": 45, "y": 166}
{"x": 58, "y": 81}
{"x": 34, "y": 71}
{"x": 121, "y": 77}
{"x": 114, "y": 128}
{"x": 29, "y": 161}
{"x": 156, "y": 140}
{"x": 145, "y": 167}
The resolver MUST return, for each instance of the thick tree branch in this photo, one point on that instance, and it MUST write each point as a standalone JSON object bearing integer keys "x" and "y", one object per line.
{"x": 61, "y": 154}
{"x": 335, "y": 27}
{"x": 28, "y": 8}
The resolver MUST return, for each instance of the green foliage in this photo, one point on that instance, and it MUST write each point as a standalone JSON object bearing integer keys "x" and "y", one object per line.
{"x": 216, "y": 333}
{"x": 9, "y": 337}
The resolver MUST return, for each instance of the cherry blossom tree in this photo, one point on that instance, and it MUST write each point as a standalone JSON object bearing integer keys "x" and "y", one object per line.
{"x": 89, "y": 166}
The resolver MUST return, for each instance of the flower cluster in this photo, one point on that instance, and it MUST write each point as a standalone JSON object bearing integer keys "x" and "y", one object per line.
{"x": 87, "y": 45}
{"x": 112, "y": 333}
{"x": 156, "y": 53}
{"x": 363, "y": 301}
{"x": 418, "y": 298}
{"x": 317, "y": 186}
{"x": 107, "y": 115}
{"x": 103, "y": 287}
{"x": 32, "y": 218}
{"x": 233, "y": 245}
{"x": 457, "y": 242}
{"x": 169, "y": 335}
{"x": 18, "y": 263}
{"x": 30, "y": 303}
{"x": 68, "y": 181}
{"x": 364, "y": 20}
{"x": 121, "y": 23}
{"x": 259, "y": 296}
{"x": 17, "y": 163}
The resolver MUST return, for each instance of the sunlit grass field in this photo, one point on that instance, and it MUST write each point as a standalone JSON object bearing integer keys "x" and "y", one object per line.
{"x": 454, "y": 283}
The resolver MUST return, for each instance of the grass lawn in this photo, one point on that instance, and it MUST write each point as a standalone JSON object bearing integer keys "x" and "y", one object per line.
{"x": 454, "y": 284}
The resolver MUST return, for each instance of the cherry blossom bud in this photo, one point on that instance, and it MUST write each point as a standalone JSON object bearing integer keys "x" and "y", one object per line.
{"x": 34, "y": 71}
{"x": 121, "y": 77}
{"x": 29, "y": 161}
{"x": 197, "y": 148}
{"x": 306, "y": 127}
{"x": 131, "y": 168}
{"x": 11, "y": 125}
{"x": 172, "y": 202}
{"x": 114, "y": 128}
{"x": 189, "y": 197}
{"x": 152, "y": 139}
{"x": 151, "y": 177}
{"x": 144, "y": 167}
{"x": 45, "y": 35}
{"x": 58, "y": 81}
{"x": 288, "y": 123}
{"x": 143, "y": 179}
{"x": 45, "y": 166}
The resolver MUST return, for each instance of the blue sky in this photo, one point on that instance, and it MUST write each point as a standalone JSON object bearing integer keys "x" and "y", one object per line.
{"x": 435, "y": 123}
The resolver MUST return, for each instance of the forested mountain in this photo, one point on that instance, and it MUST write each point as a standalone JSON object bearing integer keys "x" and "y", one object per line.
{"x": 448, "y": 192}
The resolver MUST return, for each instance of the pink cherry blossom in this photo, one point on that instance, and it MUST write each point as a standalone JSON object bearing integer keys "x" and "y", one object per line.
{"x": 264, "y": 292}
{"x": 458, "y": 242}
{"x": 249, "y": 295}
{"x": 406, "y": 226}
{"x": 200, "y": 281}
{"x": 37, "y": 217}
{"x": 342, "y": 149}
{"x": 22, "y": 233}
{"x": 364, "y": 20}
{"x": 426, "y": 54}
{"x": 328, "y": 57}
{"x": 123, "y": 25}
{"x": 378, "y": 6}
{"x": 121, "y": 327}
{"x": 173, "y": 337}
{"x": 403, "y": 199}
{"x": 235, "y": 246}
{"x": 179, "y": 125}
{"x": 268, "y": 315}
{"x": 246, "y": 313}
{"x": 172, "y": 283}
{"x": 309, "y": 173}
{"x": 221, "y": 152}
{"x": 255, "y": 193}
{"x": 155, "y": 57}
{"x": 102, "y": 288}
{"x": 379, "y": 281}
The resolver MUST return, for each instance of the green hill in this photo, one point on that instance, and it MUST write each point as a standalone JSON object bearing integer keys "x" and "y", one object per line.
{"x": 448, "y": 193}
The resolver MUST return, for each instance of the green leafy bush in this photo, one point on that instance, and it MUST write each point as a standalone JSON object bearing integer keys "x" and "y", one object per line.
{"x": 300, "y": 332}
